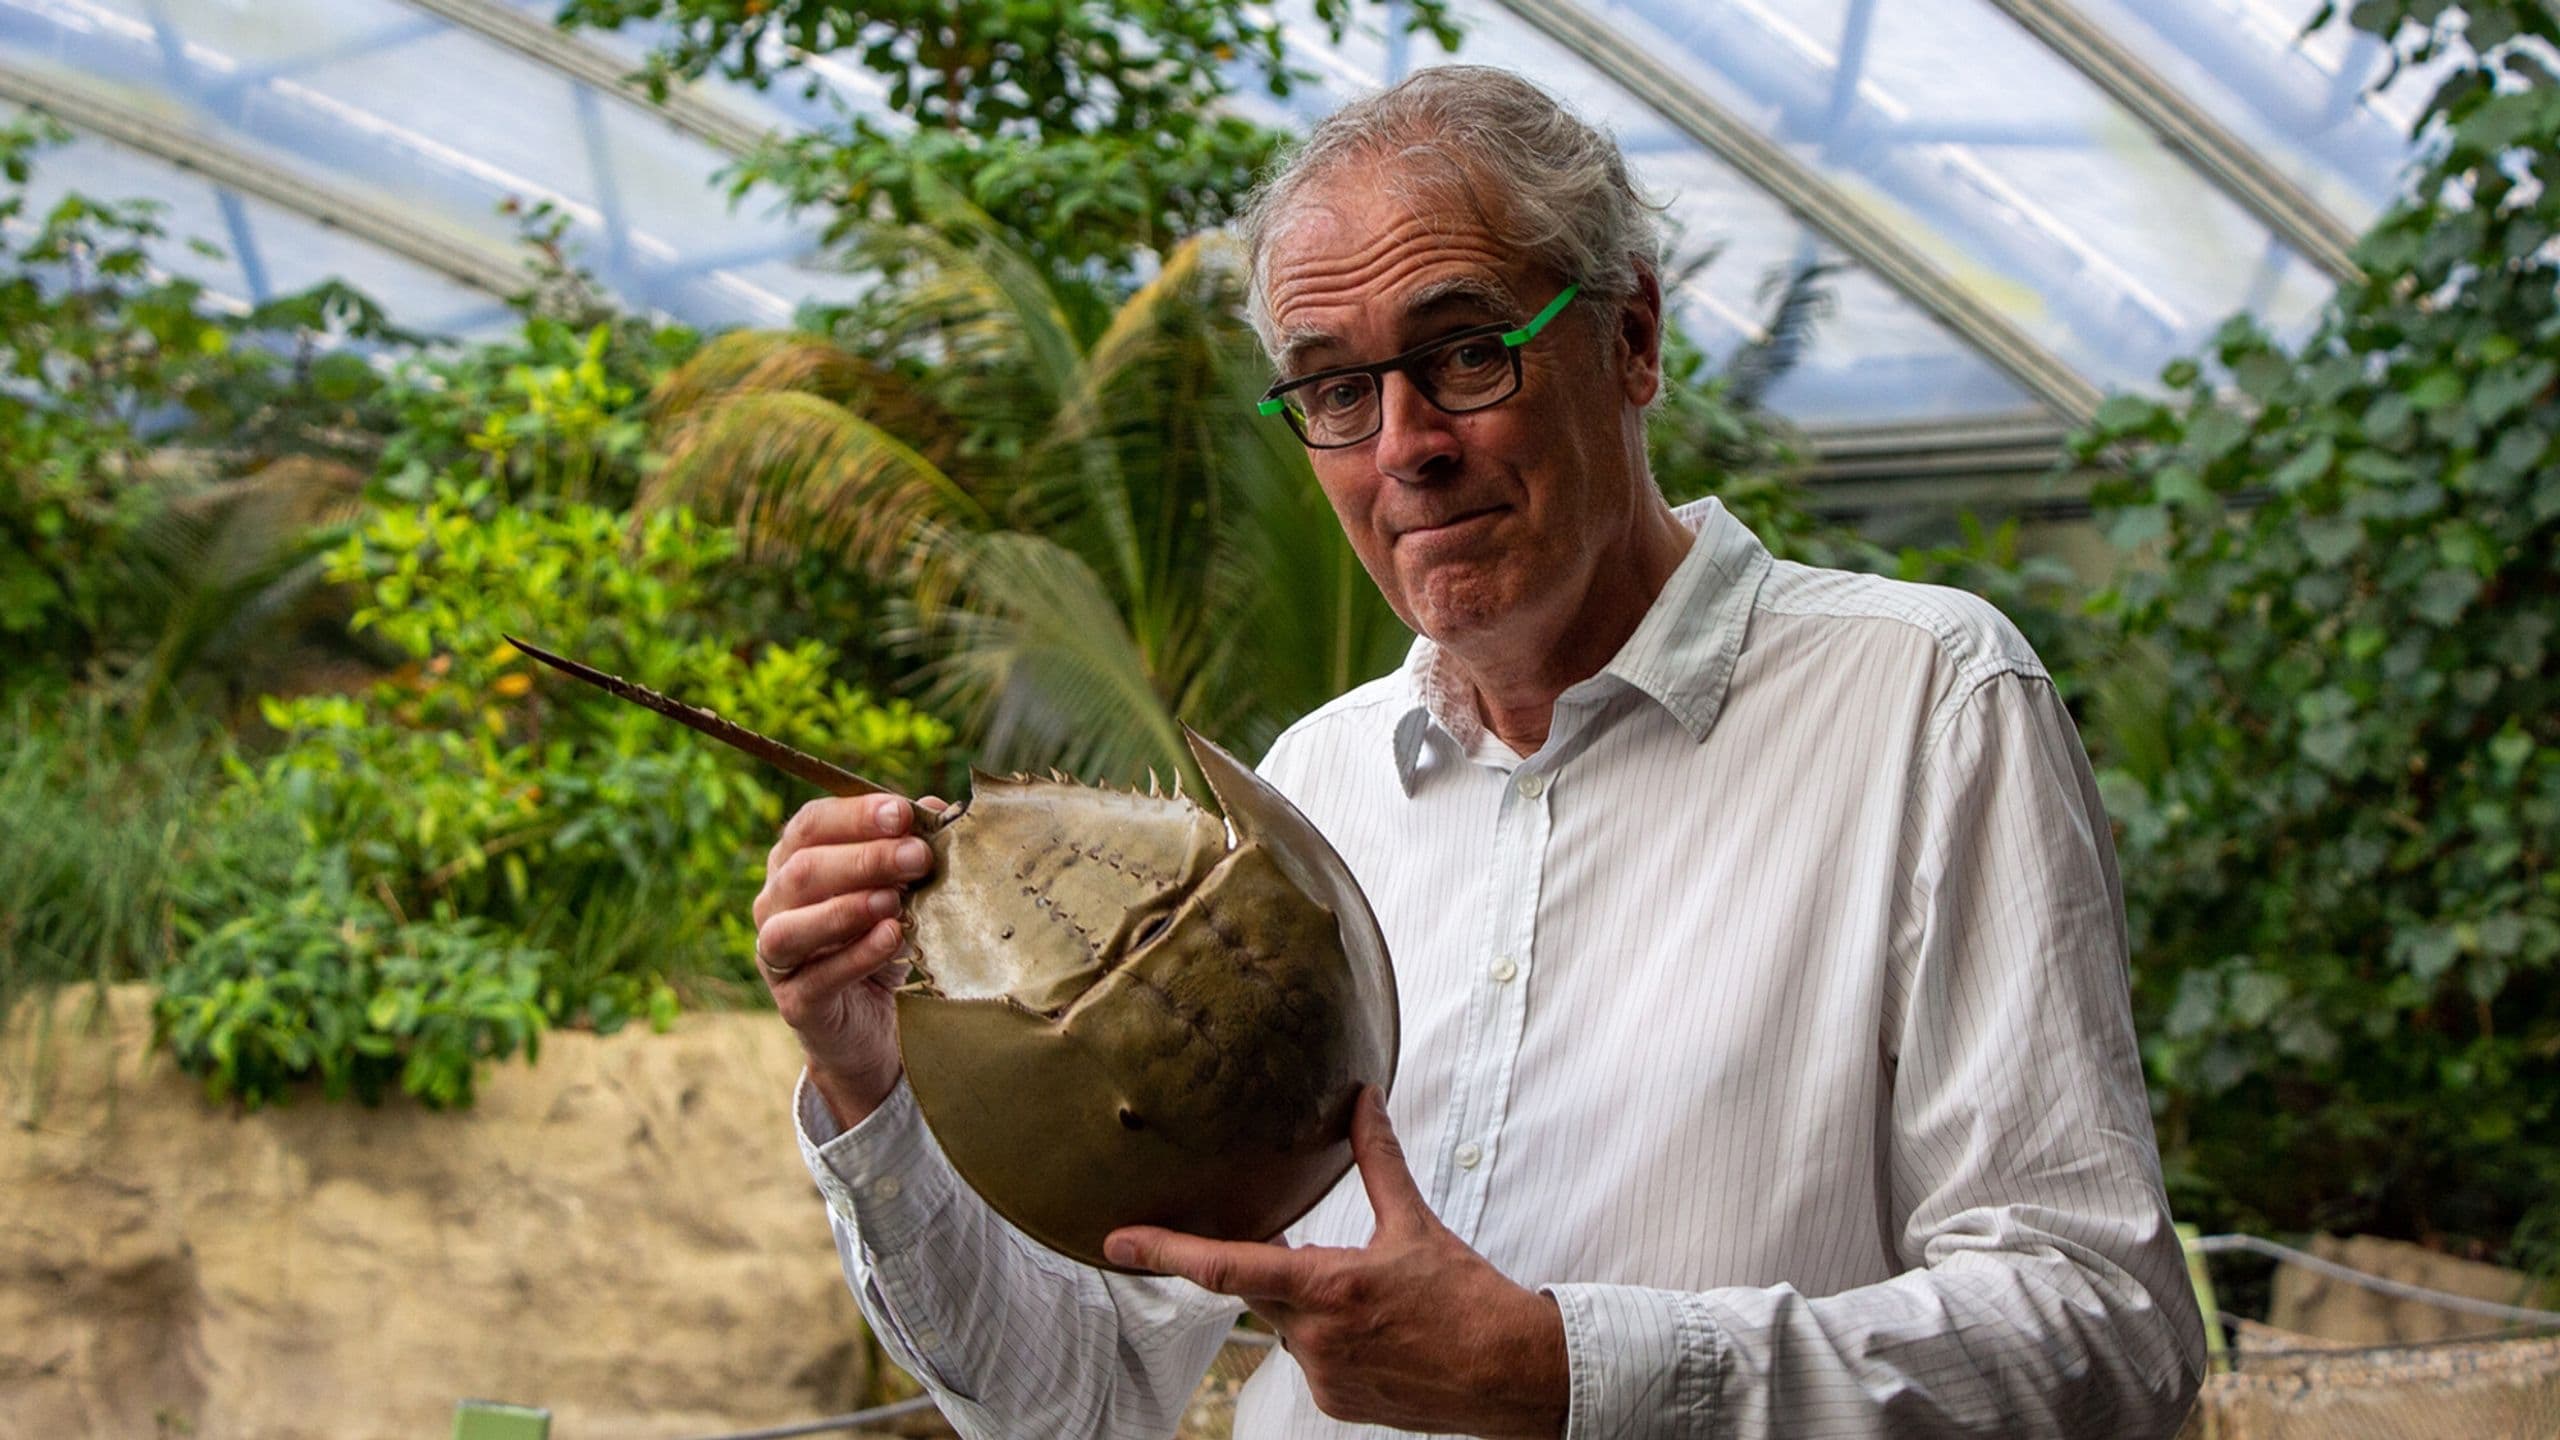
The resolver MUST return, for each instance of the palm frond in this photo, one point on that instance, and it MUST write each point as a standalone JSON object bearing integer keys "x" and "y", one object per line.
{"x": 972, "y": 306}
{"x": 1298, "y": 619}
{"x": 793, "y": 471}
{"x": 761, "y": 362}
{"x": 722, "y": 366}
{"x": 232, "y": 566}
{"x": 1042, "y": 655}
{"x": 1169, "y": 308}
{"x": 1132, "y": 469}
{"x": 1803, "y": 301}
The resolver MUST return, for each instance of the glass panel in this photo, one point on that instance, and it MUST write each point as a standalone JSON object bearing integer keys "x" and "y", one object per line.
{"x": 2296, "y": 103}
{"x": 2046, "y": 197}
{"x": 370, "y": 97}
{"x": 785, "y": 104}
{"x": 1878, "y": 357}
{"x": 284, "y": 251}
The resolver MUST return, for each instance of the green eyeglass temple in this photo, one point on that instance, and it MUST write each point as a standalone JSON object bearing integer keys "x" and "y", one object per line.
{"x": 1511, "y": 338}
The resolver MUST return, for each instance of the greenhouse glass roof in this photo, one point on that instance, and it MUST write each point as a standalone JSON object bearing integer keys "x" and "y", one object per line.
{"x": 2019, "y": 204}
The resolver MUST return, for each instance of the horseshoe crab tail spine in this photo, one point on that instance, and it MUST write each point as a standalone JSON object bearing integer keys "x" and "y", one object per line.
{"x": 834, "y": 779}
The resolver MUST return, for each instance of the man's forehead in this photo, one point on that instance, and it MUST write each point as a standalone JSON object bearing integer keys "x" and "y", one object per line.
{"x": 1350, "y": 266}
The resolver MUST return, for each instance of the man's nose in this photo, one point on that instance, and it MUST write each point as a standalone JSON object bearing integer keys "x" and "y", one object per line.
{"x": 1416, "y": 441}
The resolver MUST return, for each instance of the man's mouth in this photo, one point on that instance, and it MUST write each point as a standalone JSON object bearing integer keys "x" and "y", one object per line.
{"x": 1452, "y": 525}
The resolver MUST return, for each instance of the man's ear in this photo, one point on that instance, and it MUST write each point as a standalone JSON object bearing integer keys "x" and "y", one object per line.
{"x": 1640, "y": 338}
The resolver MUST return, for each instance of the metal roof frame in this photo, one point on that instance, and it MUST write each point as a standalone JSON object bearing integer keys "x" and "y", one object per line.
{"x": 2293, "y": 216}
{"x": 2000, "y": 465}
{"x": 2219, "y": 156}
{"x": 488, "y": 270}
{"x": 698, "y": 115}
{"x": 1817, "y": 202}
{"x": 646, "y": 282}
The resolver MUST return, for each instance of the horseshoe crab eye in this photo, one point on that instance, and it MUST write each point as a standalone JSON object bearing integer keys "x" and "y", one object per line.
{"x": 1149, "y": 931}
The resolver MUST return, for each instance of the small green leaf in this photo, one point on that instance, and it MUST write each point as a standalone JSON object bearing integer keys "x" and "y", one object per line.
{"x": 2330, "y": 539}
{"x": 2444, "y": 594}
{"x": 2307, "y": 466}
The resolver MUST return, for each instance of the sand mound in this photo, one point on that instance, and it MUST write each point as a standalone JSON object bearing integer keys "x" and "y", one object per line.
{"x": 623, "y": 1233}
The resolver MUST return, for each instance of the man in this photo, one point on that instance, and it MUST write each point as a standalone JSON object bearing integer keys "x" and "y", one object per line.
{"x": 1767, "y": 1061}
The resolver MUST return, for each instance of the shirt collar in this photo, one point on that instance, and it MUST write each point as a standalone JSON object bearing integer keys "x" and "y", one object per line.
{"x": 1681, "y": 654}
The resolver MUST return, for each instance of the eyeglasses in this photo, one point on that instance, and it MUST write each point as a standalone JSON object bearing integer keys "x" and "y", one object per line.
{"x": 1469, "y": 370}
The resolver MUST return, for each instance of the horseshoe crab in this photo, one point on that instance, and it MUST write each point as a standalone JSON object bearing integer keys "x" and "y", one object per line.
{"x": 1123, "y": 1009}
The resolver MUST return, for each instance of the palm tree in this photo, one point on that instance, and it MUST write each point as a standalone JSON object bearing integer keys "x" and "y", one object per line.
{"x": 1095, "y": 535}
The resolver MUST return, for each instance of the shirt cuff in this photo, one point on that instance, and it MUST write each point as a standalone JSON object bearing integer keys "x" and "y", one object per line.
{"x": 1641, "y": 1362}
{"x": 885, "y": 1177}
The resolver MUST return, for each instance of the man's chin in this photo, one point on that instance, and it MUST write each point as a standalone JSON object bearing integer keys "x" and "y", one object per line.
{"x": 1456, "y": 604}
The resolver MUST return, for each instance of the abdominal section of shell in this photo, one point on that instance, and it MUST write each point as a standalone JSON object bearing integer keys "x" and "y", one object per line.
{"x": 1127, "y": 1010}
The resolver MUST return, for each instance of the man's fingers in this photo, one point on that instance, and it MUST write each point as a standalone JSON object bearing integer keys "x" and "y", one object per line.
{"x": 1393, "y": 1196}
{"x": 1230, "y": 1267}
{"x": 821, "y": 872}
{"x": 873, "y": 957}
{"x": 796, "y": 937}
{"x": 839, "y": 820}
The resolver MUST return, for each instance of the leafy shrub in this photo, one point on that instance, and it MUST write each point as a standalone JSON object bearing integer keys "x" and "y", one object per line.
{"x": 464, "y": 784}
{"x": 553, "y": 411}
{"x": 2340, "y": 852}
{"x": 469, "y": 852}
{"x": 320, "y": 983}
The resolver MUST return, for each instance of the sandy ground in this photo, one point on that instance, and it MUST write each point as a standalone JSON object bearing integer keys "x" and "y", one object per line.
{"x": 622, "y": 1233}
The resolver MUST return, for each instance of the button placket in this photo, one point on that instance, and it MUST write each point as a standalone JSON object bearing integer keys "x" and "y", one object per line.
{"x": 1479, "y": 1104}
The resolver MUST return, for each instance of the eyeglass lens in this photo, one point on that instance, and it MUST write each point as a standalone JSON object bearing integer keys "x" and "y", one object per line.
{"x": 1468, "y": 373}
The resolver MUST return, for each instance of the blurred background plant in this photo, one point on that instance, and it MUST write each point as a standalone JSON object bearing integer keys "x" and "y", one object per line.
{"x": 1106, "y": 545}
{"x": 2340, "y": 794}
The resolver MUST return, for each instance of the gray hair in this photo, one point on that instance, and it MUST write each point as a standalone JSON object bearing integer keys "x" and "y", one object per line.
{"x": 1558, "y": 189}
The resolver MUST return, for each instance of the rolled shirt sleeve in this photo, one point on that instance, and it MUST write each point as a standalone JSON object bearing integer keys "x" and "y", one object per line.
{"x": 2047, "y": 1294}
{"x": 1011, "y": 1338}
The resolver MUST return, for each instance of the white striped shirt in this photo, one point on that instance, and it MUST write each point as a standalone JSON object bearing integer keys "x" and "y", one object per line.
{"x": 1772, "y": 1016}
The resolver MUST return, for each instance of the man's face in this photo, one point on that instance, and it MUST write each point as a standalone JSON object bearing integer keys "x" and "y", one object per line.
{"x": 1476, "y": 526}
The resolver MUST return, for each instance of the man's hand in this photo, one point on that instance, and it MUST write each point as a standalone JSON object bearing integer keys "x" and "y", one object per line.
{"x": 1415, "y": 1330}
{"x": 827, "y": 940}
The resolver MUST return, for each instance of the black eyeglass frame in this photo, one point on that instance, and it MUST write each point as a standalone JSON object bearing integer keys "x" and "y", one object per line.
{"x": 1274, "y": 401}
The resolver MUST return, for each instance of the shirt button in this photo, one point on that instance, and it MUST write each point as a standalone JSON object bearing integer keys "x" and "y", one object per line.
{"x": 927, "y": 1340}
{"x": 1503, "y": 969}
{"x": 1470, "y": 1155}
{"x": 1531, "y": 786}
{"x": 886, "y": 1189}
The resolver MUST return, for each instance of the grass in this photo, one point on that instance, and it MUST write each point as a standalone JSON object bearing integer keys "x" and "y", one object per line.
{"x": 92, "y": 826}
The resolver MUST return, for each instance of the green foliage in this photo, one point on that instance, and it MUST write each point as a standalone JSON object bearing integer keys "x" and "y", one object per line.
{"x": 398, "y": 876}
{"x": 90, "y": 854}
{"x": 554, "y": 410}
{"x": 1091, "y": 132}
{"x": 128, "y": 404}
{"x": 2340, "y": 851}
{"x": 464, "y": 852}
{"x": 463, "y": 783}
{"x": 326, "y": 985}
{"x": 1108, "y": 542}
